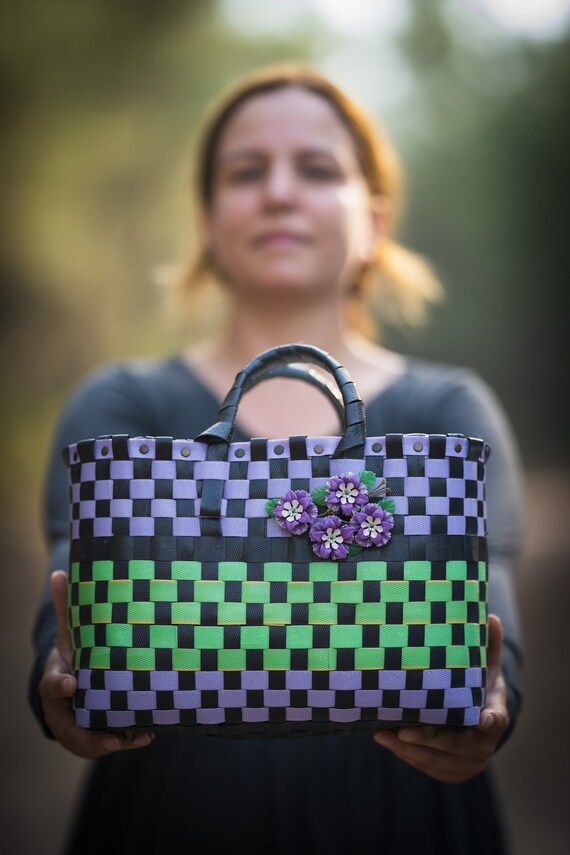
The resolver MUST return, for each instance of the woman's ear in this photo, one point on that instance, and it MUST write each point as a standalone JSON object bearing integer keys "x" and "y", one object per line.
{"x": 379, "y": 213}
{"x": 208, "y": 251}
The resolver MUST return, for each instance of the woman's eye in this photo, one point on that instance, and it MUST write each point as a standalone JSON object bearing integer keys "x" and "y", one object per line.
{"x": 247, "y": 174}
{"x": 320, "y": 173}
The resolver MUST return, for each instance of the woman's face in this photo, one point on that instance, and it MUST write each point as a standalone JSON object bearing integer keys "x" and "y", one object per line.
{"x": 291, "y": 214}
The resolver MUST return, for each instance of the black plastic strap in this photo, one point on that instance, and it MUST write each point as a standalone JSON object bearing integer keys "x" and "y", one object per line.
{"x": 394, "y": 445}
{"x": 476, "y": 447}
{"x": 258, "y": 449}
{"x": 219, "y": 435}
{"x": 120, "y": 447}
{"x": 298, "y": 447}
{"x": 164, "y": 448}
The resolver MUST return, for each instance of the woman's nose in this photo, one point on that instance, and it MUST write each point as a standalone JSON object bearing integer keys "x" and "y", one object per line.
{"x": 280, "y": 184}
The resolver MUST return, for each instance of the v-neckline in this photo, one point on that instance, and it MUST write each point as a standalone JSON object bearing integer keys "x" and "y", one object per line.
{"x": 243, "y": 435}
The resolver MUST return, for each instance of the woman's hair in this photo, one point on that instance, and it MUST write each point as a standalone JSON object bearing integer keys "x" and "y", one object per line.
{"x": 399, "y": 280}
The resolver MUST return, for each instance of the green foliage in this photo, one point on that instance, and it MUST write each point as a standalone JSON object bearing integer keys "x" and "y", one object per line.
{"x": 318, "y": 496}
{"x": 354, "y": 548}
{"x": 271, "y": 505}
{"x": 368, "y": 478}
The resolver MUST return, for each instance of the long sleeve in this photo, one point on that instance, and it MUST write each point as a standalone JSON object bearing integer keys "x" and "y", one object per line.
{"x": 479, "y": 413}
{"x": 108, "y": 401}
{"x": 437, "y": 397}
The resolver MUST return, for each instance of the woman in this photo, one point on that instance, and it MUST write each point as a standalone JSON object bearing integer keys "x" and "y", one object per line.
{"x": 298, "y": 196}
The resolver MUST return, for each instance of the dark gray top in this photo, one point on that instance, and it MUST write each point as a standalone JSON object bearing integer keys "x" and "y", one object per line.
{"x": 328, "y": 793}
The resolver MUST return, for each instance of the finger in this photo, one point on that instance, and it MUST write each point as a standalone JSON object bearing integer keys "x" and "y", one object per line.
{"x": 493, "y": 718}
{"x": 494, "y": 646}
{"x": 56, "y": 681}
{"x": 90, "y": 745}
{"x": 125, "y": 741}
{"x": 58, "y": 581}
{"x": 409, "y": 751}
{"x": 449, "y": 740}
{"x": 86, "y": 743}
{"x": 60, "y": 718}
{"x": 56, "y": 686}
{"x": 449, "y": 768}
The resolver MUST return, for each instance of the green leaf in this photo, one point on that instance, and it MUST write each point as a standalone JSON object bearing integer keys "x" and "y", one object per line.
{"x": 368, "y": 478}
{"x": 388, "y": 505}
{"x": 271, "y": 505}
{"x": 355, "y": 548}
{"x": 319, "y": 495}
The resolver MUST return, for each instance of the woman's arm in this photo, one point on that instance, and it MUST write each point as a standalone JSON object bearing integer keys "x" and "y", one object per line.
{"x": 466, "y": 405}
{"x": 108, "y": 401}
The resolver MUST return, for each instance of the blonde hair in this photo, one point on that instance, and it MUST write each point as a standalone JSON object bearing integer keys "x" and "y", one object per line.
{"x": 400, "y": 280}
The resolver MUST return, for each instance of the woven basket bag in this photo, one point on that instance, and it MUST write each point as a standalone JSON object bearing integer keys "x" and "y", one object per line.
{"x": 278, "y": 587}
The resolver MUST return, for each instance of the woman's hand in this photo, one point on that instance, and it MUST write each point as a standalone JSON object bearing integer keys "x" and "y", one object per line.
{"x": 58, "y": 685}
{"x": 455, "y": 755}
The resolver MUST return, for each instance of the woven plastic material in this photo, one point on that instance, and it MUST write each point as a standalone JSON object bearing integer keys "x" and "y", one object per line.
{"x": 191, "y": 607}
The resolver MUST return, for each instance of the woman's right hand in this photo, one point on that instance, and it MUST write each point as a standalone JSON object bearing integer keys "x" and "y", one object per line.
{"x": 58, "y": 685}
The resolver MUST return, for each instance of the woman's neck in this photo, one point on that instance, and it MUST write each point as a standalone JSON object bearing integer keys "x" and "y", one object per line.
{"x": 253, "y": 329}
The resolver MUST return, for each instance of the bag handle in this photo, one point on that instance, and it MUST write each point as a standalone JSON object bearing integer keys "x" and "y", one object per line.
{"x": 309, "y": 375}
{"x": 353, "y": 437}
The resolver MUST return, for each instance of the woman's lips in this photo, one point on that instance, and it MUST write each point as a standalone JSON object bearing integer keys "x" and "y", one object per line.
{"x": 281, "y": 239}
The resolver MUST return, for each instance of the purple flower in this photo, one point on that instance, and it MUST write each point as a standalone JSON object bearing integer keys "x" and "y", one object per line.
{"x": 295, "y": 511}
{"x": 372, "y": 525}
{"x": 331, "y": 537}
{"x": 344, "y": 492}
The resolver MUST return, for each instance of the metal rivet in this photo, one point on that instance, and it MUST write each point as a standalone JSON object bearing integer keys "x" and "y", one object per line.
{"x": 457, "y": 447}
{"x": 278, "y": 449}
{"x": 105, "y": 450}
{"x": 240, "y": 452}
{"x": 144, "y": 449}
{"x": 418, "y": 446}
{"x": 318, "y": 449}
{"x": 185, "y": 452}
{"x": 377, "y": 446}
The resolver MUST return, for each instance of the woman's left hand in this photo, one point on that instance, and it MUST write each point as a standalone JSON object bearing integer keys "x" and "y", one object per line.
{"x": 455, "y": 755}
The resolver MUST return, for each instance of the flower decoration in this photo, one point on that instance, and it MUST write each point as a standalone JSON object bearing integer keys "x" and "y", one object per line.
{"x": 344, "y": 492}
{"x": 331, "y": 537}
{"x": 372, "y": 525}
{"x": 295, "y": 511}
{"x": 360, "y": 496}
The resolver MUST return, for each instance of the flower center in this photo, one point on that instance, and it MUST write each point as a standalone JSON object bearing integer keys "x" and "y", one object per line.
{"x": 292, "y": 510}
{"x": 332, "y": 537}
{"x": 371, "y": 526}
{"x": 347, "y": 492}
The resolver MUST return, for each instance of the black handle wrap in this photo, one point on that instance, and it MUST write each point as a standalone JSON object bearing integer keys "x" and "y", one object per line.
{"x": 351, "y": 444}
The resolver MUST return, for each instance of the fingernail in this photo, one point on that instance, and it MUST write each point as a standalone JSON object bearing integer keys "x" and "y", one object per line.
{"x": 430, "y": 731}
{"x": 408, "y": 734}
{"x": 383, "y": 738}
{"x": 110, "y": 743}
{"x": 487, "y": 721}
{"x": 68, "y": 686}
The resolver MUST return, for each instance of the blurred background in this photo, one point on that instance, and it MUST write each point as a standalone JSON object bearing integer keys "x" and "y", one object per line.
{"x": 101, "y": 104}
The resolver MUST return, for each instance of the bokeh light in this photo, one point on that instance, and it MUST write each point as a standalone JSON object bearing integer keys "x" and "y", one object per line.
{"x": 530, "y": 17}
